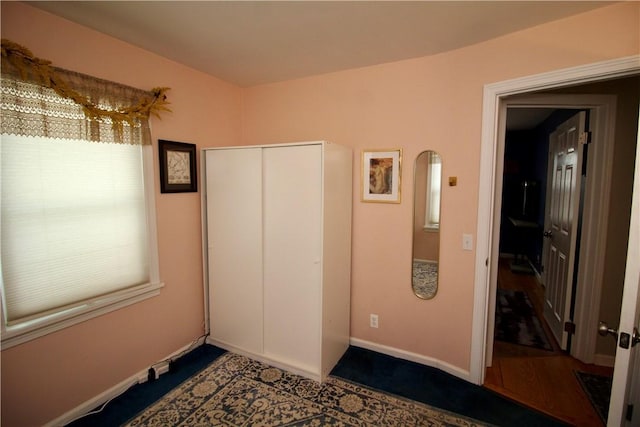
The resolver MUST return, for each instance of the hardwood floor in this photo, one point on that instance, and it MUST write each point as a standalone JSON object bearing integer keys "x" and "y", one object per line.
{"x": 544, "y": 380}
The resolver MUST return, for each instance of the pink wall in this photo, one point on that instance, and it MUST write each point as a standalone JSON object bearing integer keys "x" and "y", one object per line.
{"x": 47, "y": 377}
{"x": 426, "y": 103}
{"x": 426, "y": 244}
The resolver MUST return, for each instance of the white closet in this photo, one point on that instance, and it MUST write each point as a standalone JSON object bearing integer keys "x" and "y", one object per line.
{"x": 277, "y": 224}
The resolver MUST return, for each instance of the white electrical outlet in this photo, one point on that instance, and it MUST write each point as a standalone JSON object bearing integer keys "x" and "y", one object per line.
{"x": 373, "y": 320}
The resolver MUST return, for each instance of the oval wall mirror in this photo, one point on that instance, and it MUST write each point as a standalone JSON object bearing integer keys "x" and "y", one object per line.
{"x": 427, "y": 184}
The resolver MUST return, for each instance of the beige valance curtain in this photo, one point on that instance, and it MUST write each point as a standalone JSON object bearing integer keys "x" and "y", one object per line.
{"x": 37, "y": 99}
{"x": 30, "y": 109}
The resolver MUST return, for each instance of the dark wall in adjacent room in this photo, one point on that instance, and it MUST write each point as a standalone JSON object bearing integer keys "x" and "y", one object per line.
{"x": 525, "y": 184}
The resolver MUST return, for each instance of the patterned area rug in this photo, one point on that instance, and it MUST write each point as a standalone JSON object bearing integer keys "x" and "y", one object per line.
{"x": 425, "y": 278}
{"x": 517, "y": 322}
{"x": 598, "y": 390}
{"x": 237, "y": 391}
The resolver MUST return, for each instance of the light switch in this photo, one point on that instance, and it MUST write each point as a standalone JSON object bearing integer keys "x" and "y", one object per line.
{"x": 467, "y": 242}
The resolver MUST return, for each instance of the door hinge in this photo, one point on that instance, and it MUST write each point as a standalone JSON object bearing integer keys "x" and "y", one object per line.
{"x": 629, "y": 415}
{"x": 584, "y": 138}
{"x": 570, "y": 327}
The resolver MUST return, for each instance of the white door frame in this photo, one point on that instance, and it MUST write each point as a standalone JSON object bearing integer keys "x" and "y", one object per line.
{"x": 491, "y": 170}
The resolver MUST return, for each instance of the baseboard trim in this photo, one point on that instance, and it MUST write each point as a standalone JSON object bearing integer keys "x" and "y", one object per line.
{"x": 307, "y": 372}
{"x": 412, "y": 357}
{"x": 137, "y": 378}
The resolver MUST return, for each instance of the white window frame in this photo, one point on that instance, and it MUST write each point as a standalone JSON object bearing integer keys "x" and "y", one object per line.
{"x": 429, "y": 224}
{"x": 29, "y": 330}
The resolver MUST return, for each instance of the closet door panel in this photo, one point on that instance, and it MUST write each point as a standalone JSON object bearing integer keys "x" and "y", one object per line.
{"x": 234, "y": 226}
{"x": 292, "y": 254}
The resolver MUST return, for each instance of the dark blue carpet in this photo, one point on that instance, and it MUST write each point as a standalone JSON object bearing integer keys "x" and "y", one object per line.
{"x": 436, "y": 388}
{"x": 385, "y": 373}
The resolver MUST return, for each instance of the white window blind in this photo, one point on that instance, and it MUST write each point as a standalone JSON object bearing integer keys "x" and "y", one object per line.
{"x": 77, "y": 213}
{"x": 73, "y": 223}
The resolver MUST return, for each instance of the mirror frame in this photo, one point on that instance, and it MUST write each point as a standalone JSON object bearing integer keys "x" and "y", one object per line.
{"x": 430, "y": 230}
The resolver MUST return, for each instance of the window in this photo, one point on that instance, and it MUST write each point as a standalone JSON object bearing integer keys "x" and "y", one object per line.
{"x": 434, "y": 173}
{"x": 77, "y": 214}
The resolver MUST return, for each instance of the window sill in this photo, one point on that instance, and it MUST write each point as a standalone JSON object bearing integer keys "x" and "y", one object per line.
{"x": 431, "y": 228}
{"x": 30, "y": 330}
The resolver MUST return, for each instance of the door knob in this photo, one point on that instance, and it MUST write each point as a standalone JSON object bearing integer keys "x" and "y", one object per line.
{"x": 604, "y": 330}
{"x": 635, "y": 338}
{"x": 548, "y": 234}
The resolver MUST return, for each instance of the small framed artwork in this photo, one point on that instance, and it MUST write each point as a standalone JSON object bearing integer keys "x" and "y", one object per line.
{"x": 177, "y": 167}
{"x": 381, "y": 172}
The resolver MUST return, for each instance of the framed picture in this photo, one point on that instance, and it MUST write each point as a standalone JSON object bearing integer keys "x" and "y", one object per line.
{"x": 381, "y": 171}
{"x": 177, "y": 167}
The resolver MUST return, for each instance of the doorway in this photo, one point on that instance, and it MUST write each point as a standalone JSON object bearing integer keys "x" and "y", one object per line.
{"x": 523, "y": 373}
{"x": 531, "y": 366}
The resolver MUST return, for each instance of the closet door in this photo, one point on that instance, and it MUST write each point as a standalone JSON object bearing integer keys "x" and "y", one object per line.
{"x": 292, "y": 254}
{"x": 234, "y": 227}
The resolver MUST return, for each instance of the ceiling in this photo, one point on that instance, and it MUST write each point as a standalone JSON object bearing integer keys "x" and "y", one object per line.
{"x": 526, "y": 118}
{"x": 254, "y": 42}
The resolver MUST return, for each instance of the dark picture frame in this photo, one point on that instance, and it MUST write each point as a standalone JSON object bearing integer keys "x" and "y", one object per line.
{"x": 178, "y": 173}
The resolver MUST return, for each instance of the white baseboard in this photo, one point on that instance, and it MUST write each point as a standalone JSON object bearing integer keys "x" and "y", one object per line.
{"x": 307, "y": 372}
{"x": 96, "y": 401}
{"x": 429, "y": 261}
{"x": 413, "y": 357}
{"x": 114, "y": 391}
